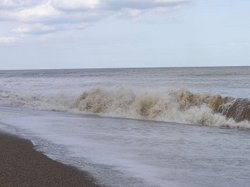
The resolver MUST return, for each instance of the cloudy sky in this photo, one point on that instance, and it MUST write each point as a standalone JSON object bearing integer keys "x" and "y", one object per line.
{"x": 123, "y": 33}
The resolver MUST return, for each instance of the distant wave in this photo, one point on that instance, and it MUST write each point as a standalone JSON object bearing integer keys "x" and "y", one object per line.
{"x": 177, "y": 106}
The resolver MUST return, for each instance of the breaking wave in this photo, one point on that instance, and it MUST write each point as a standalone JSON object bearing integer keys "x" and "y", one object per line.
{"x": 177, "y": 106}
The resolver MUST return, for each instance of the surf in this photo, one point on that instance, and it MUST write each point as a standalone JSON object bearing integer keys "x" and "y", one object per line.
{"x": 181, "y": 106}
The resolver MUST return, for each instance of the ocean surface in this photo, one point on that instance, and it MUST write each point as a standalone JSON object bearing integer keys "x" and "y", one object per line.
{"x": 148, "y": 127}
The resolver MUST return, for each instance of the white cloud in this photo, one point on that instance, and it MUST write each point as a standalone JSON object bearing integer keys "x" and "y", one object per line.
{"x": 129, "y": 12}
{"x": 7, "y": 2}
{"x": 7, "y": 40}
{"x": 46, "y": 16}
{"x": 17, "y": 3}
{"x": 75, "y": 4}
{"x": 39, "y": 12}
{"x": 37, "y": 28}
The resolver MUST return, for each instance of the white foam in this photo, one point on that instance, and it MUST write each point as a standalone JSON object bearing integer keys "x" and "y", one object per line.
{"x": 175, "y": 106}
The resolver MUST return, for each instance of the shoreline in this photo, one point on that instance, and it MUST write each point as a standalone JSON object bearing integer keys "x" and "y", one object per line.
{"x": 22, "y": 165}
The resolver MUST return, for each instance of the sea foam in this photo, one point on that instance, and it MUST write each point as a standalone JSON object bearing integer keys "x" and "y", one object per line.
{"x": 180, "y": 106}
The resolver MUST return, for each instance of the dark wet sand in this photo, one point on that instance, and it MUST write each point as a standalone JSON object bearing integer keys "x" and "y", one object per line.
{"x": 22, "y": 166}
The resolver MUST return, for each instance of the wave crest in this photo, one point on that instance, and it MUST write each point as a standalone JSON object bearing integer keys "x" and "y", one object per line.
{"x": 179, "y": 106}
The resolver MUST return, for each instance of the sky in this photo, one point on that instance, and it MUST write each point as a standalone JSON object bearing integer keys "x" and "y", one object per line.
{"x": 58, "y": 34}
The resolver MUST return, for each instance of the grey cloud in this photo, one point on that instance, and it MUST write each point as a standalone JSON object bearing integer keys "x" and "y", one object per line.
{"x": 143, "y": 4}
{"x": 48, "y": 16}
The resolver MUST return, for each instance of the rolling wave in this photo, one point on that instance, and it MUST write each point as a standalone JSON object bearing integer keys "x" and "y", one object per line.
{"x": 177, "y": 106}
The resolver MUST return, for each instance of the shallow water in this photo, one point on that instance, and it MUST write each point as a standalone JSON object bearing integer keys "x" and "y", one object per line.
{"x": 123, "y": 152}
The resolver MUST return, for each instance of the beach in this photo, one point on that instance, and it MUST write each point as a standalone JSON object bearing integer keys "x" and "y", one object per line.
{"x": 21, "y": 165}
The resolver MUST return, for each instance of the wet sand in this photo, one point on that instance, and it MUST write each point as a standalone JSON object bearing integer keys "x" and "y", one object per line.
{"x": 21, "y": 165}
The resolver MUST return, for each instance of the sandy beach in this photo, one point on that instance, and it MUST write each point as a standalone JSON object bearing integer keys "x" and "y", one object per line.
{"x": 21, "y": 165}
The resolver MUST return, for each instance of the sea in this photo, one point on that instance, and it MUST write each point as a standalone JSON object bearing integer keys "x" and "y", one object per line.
{"x": 136, "y": 127}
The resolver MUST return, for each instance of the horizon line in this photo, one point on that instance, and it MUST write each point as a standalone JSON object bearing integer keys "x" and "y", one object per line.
{"x": 97, "y": 68}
